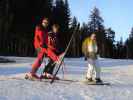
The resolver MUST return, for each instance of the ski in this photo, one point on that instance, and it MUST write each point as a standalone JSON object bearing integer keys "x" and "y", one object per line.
{"x": 62, "y": 58}
{"x": 61, "y": 81}
{"x": 94, "y": 83}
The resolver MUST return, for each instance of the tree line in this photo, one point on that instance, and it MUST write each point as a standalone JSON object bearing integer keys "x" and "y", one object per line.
{"x": 18, "y": 19}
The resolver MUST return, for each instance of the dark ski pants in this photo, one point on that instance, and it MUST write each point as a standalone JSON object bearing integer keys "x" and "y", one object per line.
{"x": 49, "y": 68}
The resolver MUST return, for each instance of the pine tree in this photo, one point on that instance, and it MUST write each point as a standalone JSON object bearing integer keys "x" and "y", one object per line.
{"x": 74, "y": 46}
{"x": 110, "y": 35}
{"x": 96, "y": 21}
{"x": 129, "y": 45}
{"x": 84, "y": 31}
{"x": 40, "y": 9}
{"x": 131, "y": 34}
{"x": 2, "y": 21}
{"x": 5, "y": 23}
{"x": 61, "y": 16}
{"x": 121, "y": 53}
{"x": 26, "y": 15}
{"x": 96, "y": 25}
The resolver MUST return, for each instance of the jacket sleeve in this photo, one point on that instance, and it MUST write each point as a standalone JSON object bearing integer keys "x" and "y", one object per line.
{"x": 85, "y": 46}
{"x": 40, "y": 38}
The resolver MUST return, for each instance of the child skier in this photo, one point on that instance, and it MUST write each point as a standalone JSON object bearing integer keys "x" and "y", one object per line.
{"x": 53, "y": 44}
{"x": 89, "y": 48}
{"x": 41, "y": 46}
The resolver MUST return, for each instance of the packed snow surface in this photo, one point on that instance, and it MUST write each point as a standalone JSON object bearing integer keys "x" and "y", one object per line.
{"x": 117, "y": 72}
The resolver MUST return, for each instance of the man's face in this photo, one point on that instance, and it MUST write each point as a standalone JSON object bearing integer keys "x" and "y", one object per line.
{"x": 45, "y": 23}
{"x": 93, "y": 37}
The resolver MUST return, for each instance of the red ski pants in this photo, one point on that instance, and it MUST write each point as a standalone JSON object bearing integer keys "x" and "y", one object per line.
{"x": 40, "y": 56}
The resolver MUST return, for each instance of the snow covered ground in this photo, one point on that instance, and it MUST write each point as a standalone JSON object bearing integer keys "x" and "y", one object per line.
{"x": 118, "y": 72}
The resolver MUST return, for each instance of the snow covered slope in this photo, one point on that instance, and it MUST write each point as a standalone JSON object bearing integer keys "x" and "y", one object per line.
{"x": 118, "y": 72}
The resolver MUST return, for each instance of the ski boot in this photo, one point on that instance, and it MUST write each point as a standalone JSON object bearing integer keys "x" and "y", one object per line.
{"x": 89, "y": 79}
{"x": 98, "y": 80}
{"x": 32, "y": 76}
{"x": 48, "y": 76}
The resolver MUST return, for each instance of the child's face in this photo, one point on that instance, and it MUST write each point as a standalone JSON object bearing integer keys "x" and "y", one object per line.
{"x": 55, "y": 30}
{"x": 93, "y": 37}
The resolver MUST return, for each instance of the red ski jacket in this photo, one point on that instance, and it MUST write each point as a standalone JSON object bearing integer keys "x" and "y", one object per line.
{"x": 40, "y": 38}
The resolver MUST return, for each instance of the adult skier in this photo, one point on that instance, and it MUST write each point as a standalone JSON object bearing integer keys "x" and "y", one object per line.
{"x": 54, "y": 45}
{"x": 41, "y": 46}
{"x": 90, "y": 49}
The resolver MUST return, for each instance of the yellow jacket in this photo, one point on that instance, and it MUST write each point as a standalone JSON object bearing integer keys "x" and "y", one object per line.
{"x": 88, "y": 46}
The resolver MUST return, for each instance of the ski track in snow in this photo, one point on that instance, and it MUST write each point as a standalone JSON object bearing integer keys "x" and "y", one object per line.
{"x": 118, "y": 72}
